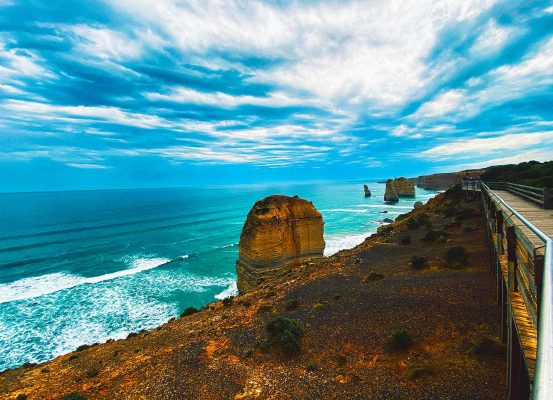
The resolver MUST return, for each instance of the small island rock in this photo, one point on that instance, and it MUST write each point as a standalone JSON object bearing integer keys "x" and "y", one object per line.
{"x": 390, "y": 196}
{"x": 367, "y": 191}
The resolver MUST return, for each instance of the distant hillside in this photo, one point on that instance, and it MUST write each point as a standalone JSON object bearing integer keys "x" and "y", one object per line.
{"x": 531, "y": 173}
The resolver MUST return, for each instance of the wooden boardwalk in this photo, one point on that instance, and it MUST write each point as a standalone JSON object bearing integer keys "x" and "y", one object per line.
{"x": 518, "y": 255}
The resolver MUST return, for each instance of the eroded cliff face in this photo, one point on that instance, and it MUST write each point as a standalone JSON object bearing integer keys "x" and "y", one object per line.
{"x": 444, "y": 181}
{"x": 390, "y": 195}
{"x": 279, "y": 231}
{"x": 404, "y": 187}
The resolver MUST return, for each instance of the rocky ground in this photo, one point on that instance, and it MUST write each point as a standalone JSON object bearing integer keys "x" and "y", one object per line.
{"x": 349, "y": 306}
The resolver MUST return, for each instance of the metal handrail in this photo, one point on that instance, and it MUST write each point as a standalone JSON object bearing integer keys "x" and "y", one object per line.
{"x": 543, "y": 377}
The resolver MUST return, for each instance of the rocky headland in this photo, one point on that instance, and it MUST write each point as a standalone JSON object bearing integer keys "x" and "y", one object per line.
{"x": 279, "y": 232}
{"x": 393, "y": 318}
{"x": 404, "y": 188}
{"x": 444, "y": 181}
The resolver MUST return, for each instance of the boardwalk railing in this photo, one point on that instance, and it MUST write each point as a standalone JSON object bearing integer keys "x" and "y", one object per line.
{"x": 523, "y": 263}
{"x": 541, "y": 196}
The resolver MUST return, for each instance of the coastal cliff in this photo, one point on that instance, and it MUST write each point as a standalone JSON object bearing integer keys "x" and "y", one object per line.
{"x": 444, "y": 181}
{"x": 279, "y": 231}
{"x": 346, "y": 313}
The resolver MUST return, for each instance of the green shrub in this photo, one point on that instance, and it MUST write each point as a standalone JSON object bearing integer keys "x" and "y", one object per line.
{"x": 270, "y": 293}
{"x": 405, "y": 240}
{"x": 227, "y": 301}
{"x": 263, "y": 309}
{"x": 74, "y": 396}
{"x": 373, "y": 277}
{"x": 436, "y": 236}
{"x": 412, "y": 224}
{"x": 401, "y": 217}
{"x": 457, "y": 257}
{"x": 83, "y": 347}
{"x": 246, "y": 303}
{"x": 291, "y": 305}
{"x": 464, "y": 213}
{"x": 311, "y": 367}
{"x": 92, "y": 372}
{"x": 488, "y": 347}
{"x": 285, "y": 334}
{"x": 454, "y": 193}
{"x": 417, "y": 370}
{"x": 419, "y": 262}
{"x": 399, "y": 340}
{"x": 189, "y": 311}
{"x": 21, "y": 397}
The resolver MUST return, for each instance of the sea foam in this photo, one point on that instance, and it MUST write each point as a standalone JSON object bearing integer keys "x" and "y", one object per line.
{"x": 36, "y": 286}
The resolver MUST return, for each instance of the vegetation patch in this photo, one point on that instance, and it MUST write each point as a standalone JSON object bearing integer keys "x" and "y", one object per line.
{"x": 373, "y": 277}
{"x": 284, "y": 334}
{"x": 311, "y": 367}
{"x": 265, "y": 309}
{"x": 399, "y": 341}
{"x": 291, "y": 304}
{"x": 405, "y": 240}
{"x": 419, "y": 262}
{"x": 416, "y": 370}
{"x": 189, "y": 311}
{"x": 419, "y": 220}
{"x": 435, "y": 236}
{"x": 92, "y": 372}
{"x": 489, "y": 347}
{"x": 227, "y": 301}
{"x": 464, "y": 213}
{"x": 457, "y": 257}
{"x": 74, "y": 396}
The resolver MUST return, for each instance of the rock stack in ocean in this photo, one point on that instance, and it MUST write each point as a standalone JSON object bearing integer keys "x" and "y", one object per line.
{"x": 279, "y": 231}
{"x": 367, "y": 191}
{"x": 390, "y": 196}
{"x": 404, "y": 188}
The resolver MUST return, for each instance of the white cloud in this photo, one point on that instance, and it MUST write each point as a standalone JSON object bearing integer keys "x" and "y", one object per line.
{"x": 354, "y": 51}
{"x": 220, "y": 99}
{"x": 87, "y": 166}
{"x": 493, "y": 38}
{"x": 471, "y": 148}
{"x": 443, "y": 104}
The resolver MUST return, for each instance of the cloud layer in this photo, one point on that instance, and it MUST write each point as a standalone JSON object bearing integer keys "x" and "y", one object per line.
{"x": 269, "y": 90}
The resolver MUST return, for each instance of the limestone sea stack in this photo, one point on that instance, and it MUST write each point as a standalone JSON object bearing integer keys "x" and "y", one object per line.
{"x": 367, "y": 191}
{"x": 404, "y": 188}
{"x": 390, "y": 196}
{"x": 279, "y": 232}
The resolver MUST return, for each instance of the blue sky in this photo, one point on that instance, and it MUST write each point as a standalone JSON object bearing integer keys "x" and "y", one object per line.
{"x": 128, "y": 93}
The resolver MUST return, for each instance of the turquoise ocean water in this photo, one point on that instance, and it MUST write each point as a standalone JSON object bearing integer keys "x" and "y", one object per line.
{"x": 86, "y": 266}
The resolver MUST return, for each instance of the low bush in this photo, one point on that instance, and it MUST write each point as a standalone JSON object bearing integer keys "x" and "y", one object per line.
{"x": 405, "y": 240}
{"x": 311, "y": 367}
{"x": 21, "y": 397}
{"x": 284, "y": 334}
{"x": 92, "y": 372}
{"x": 419, "y": 220}
{"x": 464, "y": 213}
{"x": 74, "y": 396}
{"x": 227, "y": 301}
{"x": 265, "y": 309}
{"x": 270, "y": 293}
{"x": 436, "y": 236}
{"x": 399, "y": 340}
{"x": 457, "y": 257}
{"x": 454, "y": 193}
{"x": 488, "y": 347}
{"x": 373, "y": 277}
{"x": 291, "y": 305}
{"x": 416, "y": 370}
{"x": 189, "y": 311}
{"x": 419, "y": 262}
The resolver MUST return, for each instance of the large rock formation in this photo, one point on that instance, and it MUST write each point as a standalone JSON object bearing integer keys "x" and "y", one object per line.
{"x": 279, "y": 231}
{"x": 390, "y": 196}
{"x": 404, "y": 187}
{"x": 367, "y": 191}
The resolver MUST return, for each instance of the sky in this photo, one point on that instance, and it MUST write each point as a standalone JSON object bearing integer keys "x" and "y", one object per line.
{"x": 129, "y": 93}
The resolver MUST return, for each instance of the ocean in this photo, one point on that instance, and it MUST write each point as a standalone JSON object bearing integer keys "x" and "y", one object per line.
{"x": 81, "y": 267}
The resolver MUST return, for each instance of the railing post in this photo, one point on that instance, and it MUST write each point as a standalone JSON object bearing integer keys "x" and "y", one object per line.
{"x": 547, "y": 201}
{"x": 511, "y": 259}
{"x": 539, "y": 261}
{"x": 499, "y": 231}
